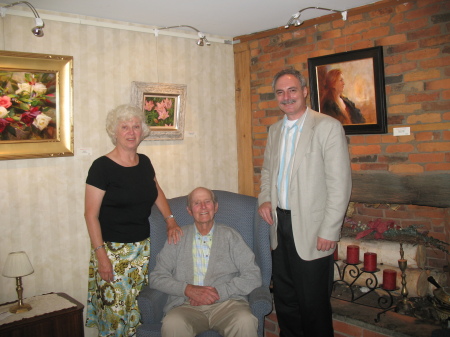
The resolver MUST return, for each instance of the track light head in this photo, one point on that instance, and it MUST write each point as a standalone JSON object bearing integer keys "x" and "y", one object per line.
{"x": 295, "y": 19}
{"x": 38, "y": 29}
{"x": 200, "y": 42}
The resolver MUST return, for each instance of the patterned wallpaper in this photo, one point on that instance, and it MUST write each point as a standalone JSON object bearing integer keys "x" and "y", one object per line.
{"x": 42, "y": 200}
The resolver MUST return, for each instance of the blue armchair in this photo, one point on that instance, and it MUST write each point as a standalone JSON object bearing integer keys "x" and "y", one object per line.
{"x": 235, "y": 210}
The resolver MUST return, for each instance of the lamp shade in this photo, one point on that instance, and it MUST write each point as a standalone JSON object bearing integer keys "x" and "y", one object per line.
{"x": 17, "y": 265}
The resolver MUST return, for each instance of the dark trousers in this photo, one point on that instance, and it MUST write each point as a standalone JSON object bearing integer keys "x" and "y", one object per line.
{"x": 301, "y": 289}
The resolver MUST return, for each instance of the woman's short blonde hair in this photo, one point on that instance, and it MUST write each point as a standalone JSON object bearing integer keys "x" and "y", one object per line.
{"x": 122, "y": 113}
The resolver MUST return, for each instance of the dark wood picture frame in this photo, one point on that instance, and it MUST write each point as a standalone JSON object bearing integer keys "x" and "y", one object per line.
{"x": 363, "y": 74}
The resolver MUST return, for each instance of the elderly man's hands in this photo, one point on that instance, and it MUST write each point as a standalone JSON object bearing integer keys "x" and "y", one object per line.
{"x": 201, "y": 295}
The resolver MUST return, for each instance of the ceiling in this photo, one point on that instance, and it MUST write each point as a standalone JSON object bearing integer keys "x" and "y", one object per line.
{"x": 224, "y": 18}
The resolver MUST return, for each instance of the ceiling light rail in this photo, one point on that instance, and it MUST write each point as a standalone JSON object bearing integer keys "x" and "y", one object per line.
{"x": 200, "y": 37}
{"x": 200, "y": 42}
{"x": 295, "y": 18}
{"x": 38, "y": 29}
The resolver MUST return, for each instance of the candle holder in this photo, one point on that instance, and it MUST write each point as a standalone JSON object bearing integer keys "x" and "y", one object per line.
{"x": 404, "y": 306}
{"x": 385, "y": 299}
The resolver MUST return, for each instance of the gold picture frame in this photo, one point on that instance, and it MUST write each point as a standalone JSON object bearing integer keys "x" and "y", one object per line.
{"x": 164, "y": 107}
{"x": 36, "y": 104}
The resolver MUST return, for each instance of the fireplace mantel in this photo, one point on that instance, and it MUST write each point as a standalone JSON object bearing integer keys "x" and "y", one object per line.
{"x": 423, "y": 190}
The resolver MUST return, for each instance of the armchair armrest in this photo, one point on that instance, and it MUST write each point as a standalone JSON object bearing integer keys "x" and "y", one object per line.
{"x": 151, "y": 303}
{"x": 260, "y": 301}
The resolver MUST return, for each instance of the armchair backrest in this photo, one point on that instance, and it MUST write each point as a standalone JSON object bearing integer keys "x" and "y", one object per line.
{"x": 235, "y": 210}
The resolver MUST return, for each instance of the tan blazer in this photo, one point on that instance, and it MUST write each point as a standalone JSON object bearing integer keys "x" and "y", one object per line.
{"x": 320, "y": 186}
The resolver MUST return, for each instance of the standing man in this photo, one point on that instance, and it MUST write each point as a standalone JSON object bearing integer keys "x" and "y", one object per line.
{"x": 305, "y": 190}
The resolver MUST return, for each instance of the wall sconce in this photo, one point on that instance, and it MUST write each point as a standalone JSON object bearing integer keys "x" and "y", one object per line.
{"x": 202, "y": 38}
{"x": 295, "y": 19}
{"x": 18, "y": 265}
{"x": 38, "y": 29}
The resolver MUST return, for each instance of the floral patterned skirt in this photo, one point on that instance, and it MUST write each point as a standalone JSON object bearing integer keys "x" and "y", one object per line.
{"x": 112, "y": 306}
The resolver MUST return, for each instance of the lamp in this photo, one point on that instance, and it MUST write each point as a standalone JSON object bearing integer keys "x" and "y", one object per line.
{"x": 38, "y": 29}
{"x": 202, "y": 38}
{"x": 18, "y": 265}
{"x": 294, "y": 20}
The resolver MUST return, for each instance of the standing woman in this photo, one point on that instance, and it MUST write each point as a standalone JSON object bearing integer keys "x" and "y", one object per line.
{"x": 121, "y": 189}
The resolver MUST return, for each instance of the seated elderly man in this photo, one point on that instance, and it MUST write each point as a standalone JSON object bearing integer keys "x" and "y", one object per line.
{"x": 207, "y": 276}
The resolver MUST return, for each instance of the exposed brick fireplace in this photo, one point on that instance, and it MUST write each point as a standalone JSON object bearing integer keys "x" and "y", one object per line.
{"x": 351, "y": 319}
{"x": 433, "y": 219}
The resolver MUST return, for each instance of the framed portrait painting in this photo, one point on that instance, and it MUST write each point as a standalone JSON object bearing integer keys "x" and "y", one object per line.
{"x": 35, "y": 105}
{"x": 163, "y": 106}
{"x": 350, "y": 87}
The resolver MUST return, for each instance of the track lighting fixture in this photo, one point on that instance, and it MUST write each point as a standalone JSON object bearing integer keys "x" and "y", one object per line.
{"x": 295, "y": 19}
{"x": 202, "y": 38}
{"x": 38, "y": 29}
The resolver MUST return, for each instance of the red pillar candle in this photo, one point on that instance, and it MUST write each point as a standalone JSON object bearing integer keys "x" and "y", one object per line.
{"x": 336, "y": 254}
{"x": 389, "y": 279}
{"x": 370, "y": 261}
{"x": 352, "y": 254}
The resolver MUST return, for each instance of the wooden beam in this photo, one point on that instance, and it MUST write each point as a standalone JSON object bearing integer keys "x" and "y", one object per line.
{"x": 423, "y": 190}
{"x": 243, "y": 119}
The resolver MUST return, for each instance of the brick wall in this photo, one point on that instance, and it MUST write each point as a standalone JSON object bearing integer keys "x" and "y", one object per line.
{"x": 415, "y": 36}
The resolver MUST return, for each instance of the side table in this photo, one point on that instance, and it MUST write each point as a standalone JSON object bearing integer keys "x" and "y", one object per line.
{"x": 60, "y": 323}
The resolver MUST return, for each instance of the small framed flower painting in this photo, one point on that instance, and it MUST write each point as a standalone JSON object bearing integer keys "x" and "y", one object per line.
{"x": 35, "y": 105}
{"x": 164, "y": 107}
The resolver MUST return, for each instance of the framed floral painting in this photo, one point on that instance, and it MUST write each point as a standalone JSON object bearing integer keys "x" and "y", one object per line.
{"x": 163, "y": 106}
{"x": 35, "y": 105}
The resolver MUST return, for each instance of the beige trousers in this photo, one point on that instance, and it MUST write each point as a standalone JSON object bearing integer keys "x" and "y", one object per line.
{"x": 231, "y": 318}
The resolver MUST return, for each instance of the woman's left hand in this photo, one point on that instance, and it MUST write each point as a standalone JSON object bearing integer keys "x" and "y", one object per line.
{"x": 174, "y": 232}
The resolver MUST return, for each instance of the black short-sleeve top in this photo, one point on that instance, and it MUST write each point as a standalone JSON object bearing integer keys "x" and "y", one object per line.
{"x": 130, "y": 193}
